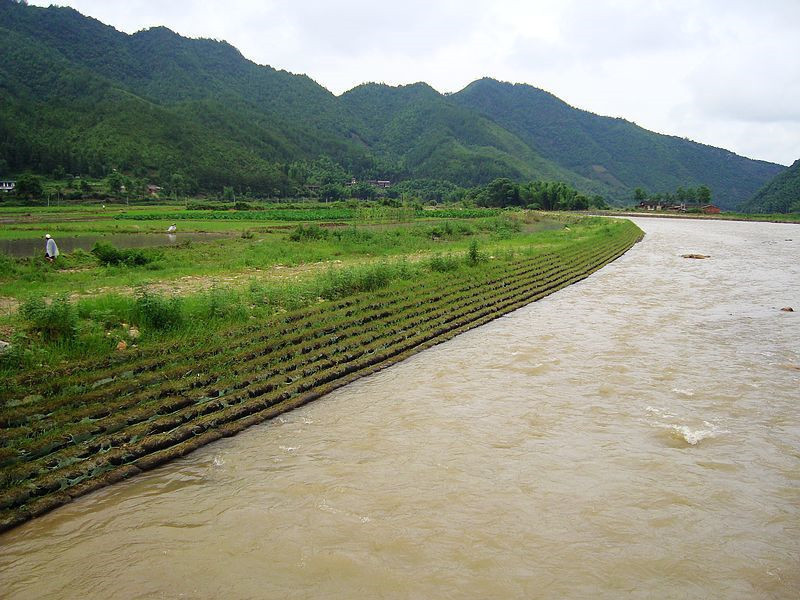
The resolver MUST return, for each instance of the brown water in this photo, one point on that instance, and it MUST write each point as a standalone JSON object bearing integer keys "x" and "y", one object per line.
{"x": 635, "y": 435}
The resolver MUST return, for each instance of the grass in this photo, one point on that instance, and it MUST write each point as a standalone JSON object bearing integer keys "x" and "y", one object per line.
{"x": 113, "y": 290}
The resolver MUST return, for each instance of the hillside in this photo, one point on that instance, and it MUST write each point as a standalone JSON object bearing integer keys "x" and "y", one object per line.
{"x": 82, "y": 96}
{"x": 422, "y": 131}
{"x": 780, "y": 195}
{"x": 615, "y": 152}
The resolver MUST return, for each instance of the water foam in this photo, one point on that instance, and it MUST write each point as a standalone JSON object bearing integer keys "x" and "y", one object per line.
{"x": 680, "y": 392}
{"x": 694, "y": 436}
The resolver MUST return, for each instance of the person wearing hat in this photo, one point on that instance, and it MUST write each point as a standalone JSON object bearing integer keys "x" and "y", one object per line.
{"x": 50, "y": 248}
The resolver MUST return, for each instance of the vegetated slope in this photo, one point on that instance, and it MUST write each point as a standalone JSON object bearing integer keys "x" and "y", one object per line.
{"x": 430, "y": 136}
{"x": 81, "y": 95}
{"x": 781, "y": 195}
{"x": 616, "y": 152}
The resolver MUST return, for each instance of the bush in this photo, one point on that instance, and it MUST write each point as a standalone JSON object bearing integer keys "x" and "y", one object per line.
{"x": 353, "y": 235}
{"x": 308, "y": 232}
{"x": 108, "y": 255}
{"x": 8, "y": 266}
{"x": 473, "y": 255}
{"x": 156, "y": 312}
{"x": 444, "y": 264}
{"x": 55, "y": 322}
{"x": 344, "y": 282}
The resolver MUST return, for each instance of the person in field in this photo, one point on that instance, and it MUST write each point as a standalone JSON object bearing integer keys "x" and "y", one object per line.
{"x": 50, "y": 248}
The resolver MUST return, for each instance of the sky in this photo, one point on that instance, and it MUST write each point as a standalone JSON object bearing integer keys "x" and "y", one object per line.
{"x": 720, "y": 72}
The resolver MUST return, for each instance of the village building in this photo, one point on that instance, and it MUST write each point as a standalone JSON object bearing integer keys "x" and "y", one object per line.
{"x": 381, "y": 183}
{"x": 651, "y": 205}
{"x": 7, "y": 186}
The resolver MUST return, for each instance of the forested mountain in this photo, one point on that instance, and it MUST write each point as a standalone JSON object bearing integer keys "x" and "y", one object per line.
{"x": 80, "y": 95}
{"x": 615, "y": 152}
{"x": 780, "y": 195}
{"x": 432, "y": 137}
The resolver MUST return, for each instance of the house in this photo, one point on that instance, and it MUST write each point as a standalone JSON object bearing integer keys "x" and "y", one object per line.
{"x": 651, "y": 205}
{"x": 153, "y": 189}
{"x": 7, "y": 186}
{"x": 710, "y": 209}
{"x": 381, "y": 183}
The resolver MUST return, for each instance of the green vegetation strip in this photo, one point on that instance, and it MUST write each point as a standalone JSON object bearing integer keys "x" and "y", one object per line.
{"x": 313, "y": 214}
{"x": 91, "y": 425}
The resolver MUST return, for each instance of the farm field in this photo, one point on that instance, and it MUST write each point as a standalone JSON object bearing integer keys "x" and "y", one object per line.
{"x": 76, "y": 414}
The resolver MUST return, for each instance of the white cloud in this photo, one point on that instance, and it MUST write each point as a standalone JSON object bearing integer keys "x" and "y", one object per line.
{"x": 723, "y": 72}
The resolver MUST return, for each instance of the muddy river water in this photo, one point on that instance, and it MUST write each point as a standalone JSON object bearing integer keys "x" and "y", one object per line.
{"x": 635, "y": 435}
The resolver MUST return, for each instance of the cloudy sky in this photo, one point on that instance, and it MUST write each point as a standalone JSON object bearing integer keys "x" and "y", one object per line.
{"x": 721, "y": 72}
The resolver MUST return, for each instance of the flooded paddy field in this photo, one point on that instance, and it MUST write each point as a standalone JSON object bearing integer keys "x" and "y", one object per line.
{"x": 68, "y": 243}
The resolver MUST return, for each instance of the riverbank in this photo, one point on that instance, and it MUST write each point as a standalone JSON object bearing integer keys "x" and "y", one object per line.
{"x": 83, "y": 425}
{"x": 766, "y": 218}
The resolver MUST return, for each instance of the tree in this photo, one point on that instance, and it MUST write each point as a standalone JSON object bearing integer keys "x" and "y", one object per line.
{"x": 29, "y": 186}
{"x": 704, "y": 195}
{"x": 363, "y": 191}
{"x": 639, "y": 195}
{"x": 114, "y": 183}
{"x": 503, "y": 192}
{"x": 177, "y": 185}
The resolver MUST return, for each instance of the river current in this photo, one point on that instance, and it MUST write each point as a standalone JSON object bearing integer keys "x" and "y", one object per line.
{"x": 634, "y": 435}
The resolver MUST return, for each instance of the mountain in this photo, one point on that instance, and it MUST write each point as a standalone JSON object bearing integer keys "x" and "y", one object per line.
{"x": 78, "y": 94}
{"x": 780, "y": 195}
{"x": 615, "y": 152}
{"x": 432, "y": 137}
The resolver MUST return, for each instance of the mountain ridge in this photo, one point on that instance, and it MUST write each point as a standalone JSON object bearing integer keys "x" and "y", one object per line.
{"x": 780, "y": 194}
{"x": 79, "y": 94}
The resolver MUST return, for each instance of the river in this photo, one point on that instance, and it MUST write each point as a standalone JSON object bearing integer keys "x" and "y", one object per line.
{"x": 635, "y": 435}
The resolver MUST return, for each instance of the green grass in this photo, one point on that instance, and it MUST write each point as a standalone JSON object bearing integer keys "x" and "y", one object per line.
{"x": 331, "y": 263}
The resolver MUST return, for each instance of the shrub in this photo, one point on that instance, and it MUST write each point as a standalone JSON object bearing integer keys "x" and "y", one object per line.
{"x": 156, "y": 312}
{"x": 8, "y": 266}
{"x": 223, "y": 304}
{"x": 444, "y": 264}
{"x": 108, "y": 255}
{"x": 57, "y": 321}
{"x": 308, "y": 232}
{"x": 344, "y": 282}
{"x": 473, "y": 255}
{"x": 354, "y": 235}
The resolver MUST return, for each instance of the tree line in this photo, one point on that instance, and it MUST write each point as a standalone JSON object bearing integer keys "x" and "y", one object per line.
{"x": 699, "y": 195}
